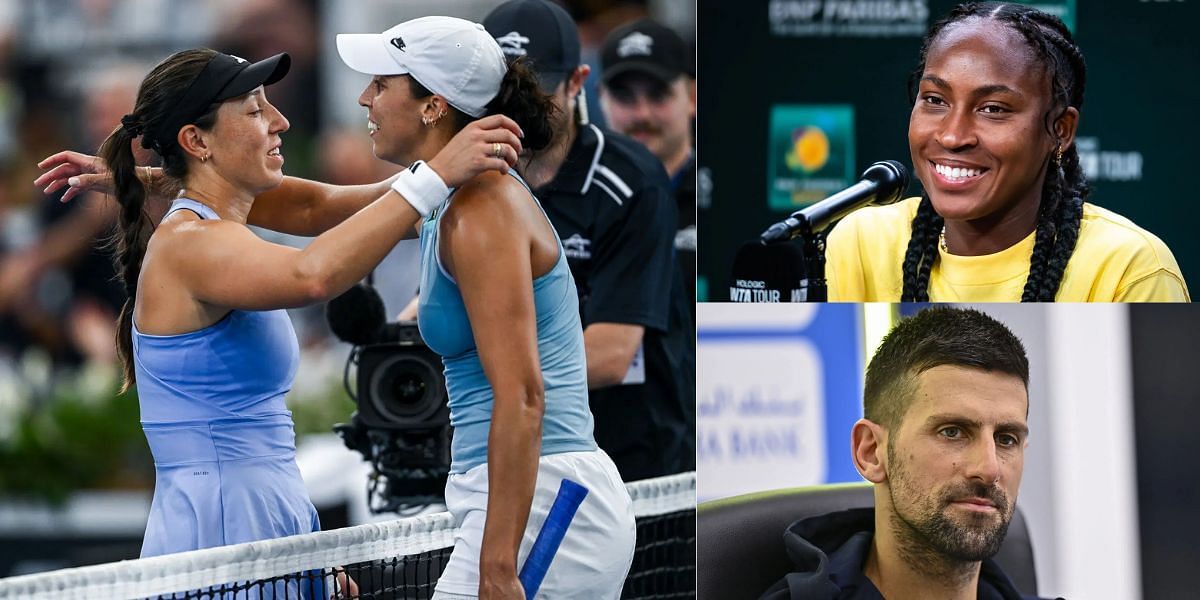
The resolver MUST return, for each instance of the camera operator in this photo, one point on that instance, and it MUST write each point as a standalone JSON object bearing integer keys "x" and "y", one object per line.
{"x": 610, "y": 200}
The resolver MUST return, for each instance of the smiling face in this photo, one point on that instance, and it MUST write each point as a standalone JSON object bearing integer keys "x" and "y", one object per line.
{"x": 954, "y": 462}
{"x": 246, "y": 143}
{"x": 393, "y": 118}
{"x": 978, "y": 131}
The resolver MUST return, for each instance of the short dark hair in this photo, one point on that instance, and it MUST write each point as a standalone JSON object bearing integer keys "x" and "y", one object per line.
{"x": 934, "y": 337}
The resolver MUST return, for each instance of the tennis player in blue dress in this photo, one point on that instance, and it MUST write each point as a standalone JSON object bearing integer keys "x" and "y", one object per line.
{"x": 203, "y": 334}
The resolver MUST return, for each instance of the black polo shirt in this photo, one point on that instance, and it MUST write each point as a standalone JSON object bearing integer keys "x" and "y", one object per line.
{"x": 612, "y": 205}
{"x": 683, "y": 184}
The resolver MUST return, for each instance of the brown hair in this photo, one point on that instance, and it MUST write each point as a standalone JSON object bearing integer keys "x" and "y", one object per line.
{"x": 520, "y": 98}
{"x": 160, "y": 91}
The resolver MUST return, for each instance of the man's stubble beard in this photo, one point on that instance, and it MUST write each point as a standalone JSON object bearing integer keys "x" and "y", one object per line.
{"x": 935, "y": 542}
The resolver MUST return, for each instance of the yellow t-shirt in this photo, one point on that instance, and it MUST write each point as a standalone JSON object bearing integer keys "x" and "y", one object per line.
{"x": 1114, "y": 261}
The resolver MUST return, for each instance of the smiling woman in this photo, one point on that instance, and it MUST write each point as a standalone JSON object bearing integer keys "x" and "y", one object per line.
{"x": 997, "y": 101}
{"x": 203, "y": 334}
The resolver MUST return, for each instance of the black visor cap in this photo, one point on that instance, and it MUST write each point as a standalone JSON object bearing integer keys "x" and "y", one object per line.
{"x": 224, "y": 77}
{"x": 263, "y": 72}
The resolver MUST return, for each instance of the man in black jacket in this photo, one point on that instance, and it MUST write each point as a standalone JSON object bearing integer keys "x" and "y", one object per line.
{"x": 943, "y": 440}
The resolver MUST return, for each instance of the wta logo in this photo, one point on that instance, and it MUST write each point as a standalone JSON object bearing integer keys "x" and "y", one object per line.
{"x": 755, "y": 290}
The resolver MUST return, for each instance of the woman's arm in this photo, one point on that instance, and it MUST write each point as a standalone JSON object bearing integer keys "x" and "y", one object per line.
{"x": 225, "y": 264}
{"x": 301, "y": 206}
{"x": 305, "y": 207}
{"x": 487, "y": 243}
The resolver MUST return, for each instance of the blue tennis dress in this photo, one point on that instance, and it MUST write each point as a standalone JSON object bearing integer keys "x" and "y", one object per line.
{"x": 223, "y": 441}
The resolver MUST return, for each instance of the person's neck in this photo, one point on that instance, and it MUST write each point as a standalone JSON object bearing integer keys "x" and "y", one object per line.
{"x": 541, "y": 167}
{"x": 432, "y": 143}
{"x": 993, "y": 233}
{"x": 678, "y": 159}
{"x": 229, "y": 201}
{"x": 903, "y": 567}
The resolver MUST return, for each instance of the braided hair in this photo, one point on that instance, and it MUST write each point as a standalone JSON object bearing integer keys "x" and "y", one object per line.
{"x": 1064, "y": 189}
{"x": 159, "y": 92}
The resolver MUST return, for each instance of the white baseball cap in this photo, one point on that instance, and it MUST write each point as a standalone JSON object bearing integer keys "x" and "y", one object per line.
{"x": 453, "y": 58}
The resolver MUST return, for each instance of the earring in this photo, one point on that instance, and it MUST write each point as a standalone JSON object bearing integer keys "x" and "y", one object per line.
{"x": 205, "y": 158}
{"x": 1058, "y": 155}
{"x": 431, "y": 122}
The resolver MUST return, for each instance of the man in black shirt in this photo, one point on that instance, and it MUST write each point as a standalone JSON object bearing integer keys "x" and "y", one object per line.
{"x": 609, "y": 199}
{"x": 943, "y": 437}
{"x": 648, "y": 92}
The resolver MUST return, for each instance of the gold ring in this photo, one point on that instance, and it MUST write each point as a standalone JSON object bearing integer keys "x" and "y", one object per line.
{"x": 496, "y": 149}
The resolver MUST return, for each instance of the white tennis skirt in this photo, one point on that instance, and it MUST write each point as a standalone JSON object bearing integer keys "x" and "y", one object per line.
{"x": 596, "y": 552}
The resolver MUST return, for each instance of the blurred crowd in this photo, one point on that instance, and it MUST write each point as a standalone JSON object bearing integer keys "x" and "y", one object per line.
{"x": 69, "y": 69}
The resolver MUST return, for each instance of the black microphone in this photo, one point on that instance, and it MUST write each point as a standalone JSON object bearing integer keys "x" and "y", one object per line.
{"x": 768, "y": 273}
{"x": 357, "y": 316}
{"x": 882, "y": 183}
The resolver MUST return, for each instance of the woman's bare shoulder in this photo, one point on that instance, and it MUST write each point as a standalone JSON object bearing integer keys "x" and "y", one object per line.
{"x": 489, "y": 200}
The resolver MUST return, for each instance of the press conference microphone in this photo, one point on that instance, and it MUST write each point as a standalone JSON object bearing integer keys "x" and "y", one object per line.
{"x": 767, "y": 273}
{"x": 882, "y": 183}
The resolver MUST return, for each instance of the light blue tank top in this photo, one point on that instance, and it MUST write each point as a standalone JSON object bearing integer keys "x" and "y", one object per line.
{"x": 213, "y": 411}
{"x": 442, "y": 318}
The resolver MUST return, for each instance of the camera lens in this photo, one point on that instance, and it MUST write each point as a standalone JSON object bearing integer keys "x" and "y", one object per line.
{"x": 406, "y": 390}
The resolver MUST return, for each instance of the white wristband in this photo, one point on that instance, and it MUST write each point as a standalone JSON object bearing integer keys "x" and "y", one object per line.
{"x": 421, "y": 187}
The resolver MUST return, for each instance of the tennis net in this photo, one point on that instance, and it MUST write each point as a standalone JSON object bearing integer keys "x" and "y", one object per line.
{"x": 399, "y": 559}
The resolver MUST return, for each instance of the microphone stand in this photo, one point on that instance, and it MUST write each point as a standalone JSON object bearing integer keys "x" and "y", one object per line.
{"x": 813, "y": 287}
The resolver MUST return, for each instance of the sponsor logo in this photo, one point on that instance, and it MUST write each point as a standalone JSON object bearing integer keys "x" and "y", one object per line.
{"x": 1108, "y": 165}
{"x": 239, "y": 59}
{"x": 751, "y": 291}
{"x": 577, "y": 247}
{"x": 737, "y": 294}
{"x": 636, "y": 43}
{"x": 811, "y": 153}
{"x": 848, "y": 18}
{"x": 398, "y": 43}
{"x": 810, "y": 150}
{"x": 513, "y": 43}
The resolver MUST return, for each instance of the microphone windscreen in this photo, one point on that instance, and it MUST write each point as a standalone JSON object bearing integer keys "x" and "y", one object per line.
{"x": 767, "y": 273}
{"x": 357, "y": 316}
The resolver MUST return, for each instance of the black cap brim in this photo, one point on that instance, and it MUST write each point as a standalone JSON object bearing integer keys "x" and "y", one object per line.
{"x": 263, "y": 72}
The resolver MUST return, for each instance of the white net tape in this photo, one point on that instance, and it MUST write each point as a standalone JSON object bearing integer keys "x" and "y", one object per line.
{"x": 200, "y": 569}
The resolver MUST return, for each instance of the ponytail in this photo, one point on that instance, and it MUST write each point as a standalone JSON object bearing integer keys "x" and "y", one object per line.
{"x": 160, "y": 91}
{"x": 521, "y": 99}
{"x": 132, "y": 235}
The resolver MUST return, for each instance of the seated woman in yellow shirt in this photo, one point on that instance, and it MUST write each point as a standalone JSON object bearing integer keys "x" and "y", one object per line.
{"x": 1004, "y": 217}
